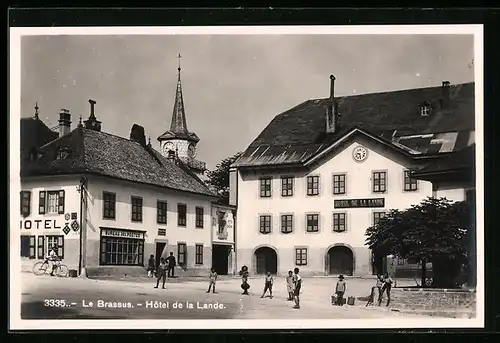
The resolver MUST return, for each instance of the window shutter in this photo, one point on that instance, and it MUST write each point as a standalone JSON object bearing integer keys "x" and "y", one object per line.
{"x": 32, "y": 247}
{"x": 41, "y": 247}
{"x": 41, "y": 203}
{"x": 60, "y": 246}
{"x": 21, "y": 194}
{"x": 61, "y": 202}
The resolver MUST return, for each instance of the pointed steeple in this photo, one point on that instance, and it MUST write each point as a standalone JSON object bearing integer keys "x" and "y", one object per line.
{"x": 36, "y": 111}
{"x": 178, "y": 124}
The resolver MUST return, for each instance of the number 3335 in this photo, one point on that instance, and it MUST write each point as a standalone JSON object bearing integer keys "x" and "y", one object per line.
{"x": 54, "y": 303}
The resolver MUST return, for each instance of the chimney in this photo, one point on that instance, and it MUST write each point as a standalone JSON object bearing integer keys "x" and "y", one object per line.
{"x": 92, "y": 123}
{"x": 445, "y": 94}
{"x": 137, "y": 134}
{"x": 64, "y": 122}
{"x": 331, "y": 109}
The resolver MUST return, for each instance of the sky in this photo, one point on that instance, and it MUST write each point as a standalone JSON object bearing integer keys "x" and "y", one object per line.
{"x": 233, "y": 85}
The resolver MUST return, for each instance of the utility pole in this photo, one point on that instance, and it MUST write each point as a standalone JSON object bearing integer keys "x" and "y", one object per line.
{"x": 83, "y": 228}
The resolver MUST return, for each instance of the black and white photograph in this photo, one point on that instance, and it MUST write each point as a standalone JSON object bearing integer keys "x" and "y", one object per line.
{"x": 246, "y": 177}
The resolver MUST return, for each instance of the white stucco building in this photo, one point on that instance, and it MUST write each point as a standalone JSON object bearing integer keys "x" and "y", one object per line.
{"x": 321, "y": 173}
{"x": 110, "y": 202}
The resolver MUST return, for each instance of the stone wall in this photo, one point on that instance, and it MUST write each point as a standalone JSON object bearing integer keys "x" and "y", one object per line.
{"x": 416, "y": 299}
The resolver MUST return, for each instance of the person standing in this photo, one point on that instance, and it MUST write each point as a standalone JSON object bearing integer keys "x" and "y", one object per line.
{"x": 244, "y": 280}
{"x": 340, "y": 289}
{"x": 171, "y": 265}
{"x": 376, "y": 290}
{"x": 212, "y": 278}
{"x": 386, "y": 287}
{"x": 297, "y": 284}
{"x": 161, "y": 273}
{"x": 151, "y": 265}
{"x": 289, "y": 285}
{"x": 268, "y": 285}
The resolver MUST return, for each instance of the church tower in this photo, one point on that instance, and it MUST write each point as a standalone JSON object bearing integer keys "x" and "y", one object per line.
{"x": 178, "y": 141}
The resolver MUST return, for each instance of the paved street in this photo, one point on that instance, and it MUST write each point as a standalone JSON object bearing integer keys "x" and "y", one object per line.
{"x": 113, "y": 299}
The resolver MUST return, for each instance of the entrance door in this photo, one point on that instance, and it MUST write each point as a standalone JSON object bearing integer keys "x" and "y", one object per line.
{"x": 377, "y": 264}
{"x": 341, "y": 261}
{"x": 160, "y": 247}
{"x": 266, "y": 261}
{"x": 220, "y": 258}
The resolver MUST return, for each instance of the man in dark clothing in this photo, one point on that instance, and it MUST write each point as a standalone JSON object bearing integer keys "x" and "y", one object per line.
{"x": 386, "y": 287}
{"x": 171, "y": 264}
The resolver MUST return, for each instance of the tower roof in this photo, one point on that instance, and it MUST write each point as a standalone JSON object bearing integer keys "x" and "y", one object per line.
{"x": 178, "y": 125}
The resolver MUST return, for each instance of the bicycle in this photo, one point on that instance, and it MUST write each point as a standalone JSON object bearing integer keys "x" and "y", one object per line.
{"x": 41, "y": 268}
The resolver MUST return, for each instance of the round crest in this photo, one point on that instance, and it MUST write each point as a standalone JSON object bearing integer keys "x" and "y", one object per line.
{"x": 168, "y": 146}
{"x": 359, "y": 154}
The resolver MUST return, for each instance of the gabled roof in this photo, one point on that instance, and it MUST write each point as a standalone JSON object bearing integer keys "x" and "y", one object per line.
{"x": 100, "y": 153}
{"x": 300, "y": 132}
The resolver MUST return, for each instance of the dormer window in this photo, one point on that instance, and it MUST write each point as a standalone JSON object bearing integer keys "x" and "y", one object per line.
{"x": 425, "y": 109}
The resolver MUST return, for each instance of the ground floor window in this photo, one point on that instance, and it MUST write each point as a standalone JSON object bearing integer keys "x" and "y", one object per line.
{"x": 181, "y": 253}
{"x": 199, "y": 254}
{"x": 122, "y": 251}
{"x": 44, "y": 244}
{"x": 28, "y": 246}
{"x": 301, "y": 256}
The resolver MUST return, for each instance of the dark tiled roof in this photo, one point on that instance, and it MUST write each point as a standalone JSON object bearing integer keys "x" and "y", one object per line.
{"x": 299, "y": 131}
{"x": 104, "y": 154}
{"x": 464, "y": 159}
{"x": 34, "y": 134}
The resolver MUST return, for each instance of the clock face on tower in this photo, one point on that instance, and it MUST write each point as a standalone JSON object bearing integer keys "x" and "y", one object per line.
{"x": 191, "y": 151}
{"x": 167, "y": 147}
{"x": 359, "y": 154}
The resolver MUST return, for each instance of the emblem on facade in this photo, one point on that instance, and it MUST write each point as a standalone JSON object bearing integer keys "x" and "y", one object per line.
{"x": 74, "y": 215}
{"x": 66, "y": 216}
{"x": 359, "y": 154}
{"x": 66, "y": 229}
{"x": 75, "y": 226}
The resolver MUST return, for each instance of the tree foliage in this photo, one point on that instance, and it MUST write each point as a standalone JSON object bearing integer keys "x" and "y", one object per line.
{"x": 432, "y": 231}
{"x": 218, "y": 179}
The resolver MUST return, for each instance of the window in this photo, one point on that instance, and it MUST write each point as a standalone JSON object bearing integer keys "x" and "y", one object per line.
{"x": 28, "y": 246}
{"x": 411, "y": 184}
{"x": 136, "y": 209}
{"x": 199, "y": 217}
{"x": 339, "y": 184}
{"x": 312, "y": 221}
{"x": 379, "y": 182}
{"x": 122, "y": 251}
{"x": 300, "y": 256}
{"x": 265, "y": 187}
{"x": 377, "y": 216}
{"x": 181, "y": 253}
{"x": 181, "y": 214}
{"x": 161, "y": 212}
{"x": 199, "y": 254}
{"x": 287, "y": 223}
{"x": 109, "y": 205}
{"x": 339, "y": 224}
{"x": 58, "y": 241}
{"x": 40, "y": 247}
{"x": 312, "y": 185}
{"x": 51, "y": 202}
{"x": 401, "y": 261}
{"x": 25, "y": 203}
{"x": 265, "y": 224}
{"x": 286, "y": 186}
{"x": 425, "y": 110}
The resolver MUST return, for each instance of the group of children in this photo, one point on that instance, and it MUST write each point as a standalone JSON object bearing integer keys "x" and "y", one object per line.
{"x": 165, "y": 268}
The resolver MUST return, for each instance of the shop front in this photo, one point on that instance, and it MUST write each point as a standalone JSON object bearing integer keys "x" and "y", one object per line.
{"x": 121, "y": 248}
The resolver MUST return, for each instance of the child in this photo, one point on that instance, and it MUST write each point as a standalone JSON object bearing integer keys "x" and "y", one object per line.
{"x": 297, "y": 283}
{"x": 340, "y": 290}
{"x": 244, "y": 280}
{"x": 268, "y": 285}
{"x": 212, "y": 278}
{"x": 387, "y": 285}
{"x": 151, "y": 265}
{"x": 376, "y": 289}
{"x": 289, "y": 285}
{"x": 162, "y": 273}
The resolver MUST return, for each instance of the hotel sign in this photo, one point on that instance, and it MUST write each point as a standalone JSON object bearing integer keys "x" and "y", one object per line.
{"x": 122, "y": 233}
{"x": 359, "y": 203}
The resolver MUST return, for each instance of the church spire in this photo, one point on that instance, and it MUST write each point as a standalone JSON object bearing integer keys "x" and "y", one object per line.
{"x": 178, "y": 124}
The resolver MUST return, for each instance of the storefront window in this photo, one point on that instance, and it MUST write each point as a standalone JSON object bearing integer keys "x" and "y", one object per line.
{"x": 122, "y": 251}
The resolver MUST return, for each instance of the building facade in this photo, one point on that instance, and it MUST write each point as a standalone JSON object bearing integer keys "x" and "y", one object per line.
{"x": 324, "y": 171}
{"x": 223, "y": 238}
{"x": 110, "y": 202}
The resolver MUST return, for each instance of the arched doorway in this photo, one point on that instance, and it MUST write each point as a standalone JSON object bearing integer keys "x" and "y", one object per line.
{"x": 341, "y": 260}
{"x": 266, "y": 260}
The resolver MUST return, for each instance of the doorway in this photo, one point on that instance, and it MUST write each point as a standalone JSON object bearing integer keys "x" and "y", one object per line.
{"x": 266, "y": 260}
{"x": 341, "y": 260}
{"x": 220, "y": 258}
{"x": 377, "y": 263}
{"x": 160, "y": 251}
